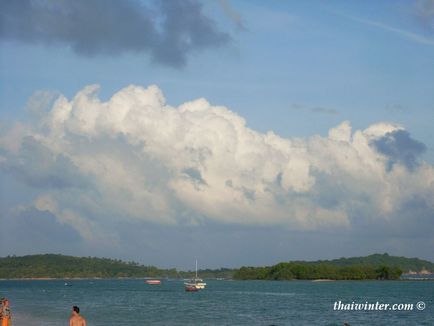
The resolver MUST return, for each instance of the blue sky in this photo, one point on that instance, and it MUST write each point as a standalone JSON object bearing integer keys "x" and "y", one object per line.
{"x": 328, "y": 106}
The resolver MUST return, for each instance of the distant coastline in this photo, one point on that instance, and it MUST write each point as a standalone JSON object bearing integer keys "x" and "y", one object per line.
{"x": 60, "y": 267}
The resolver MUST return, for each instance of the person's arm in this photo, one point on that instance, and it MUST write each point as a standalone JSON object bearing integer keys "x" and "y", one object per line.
{"x": 84, "y": 322}
{"x": 70, "y": 322}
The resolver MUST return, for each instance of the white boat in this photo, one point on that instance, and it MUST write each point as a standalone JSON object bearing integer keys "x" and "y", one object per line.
{"x": 195, "y": 284}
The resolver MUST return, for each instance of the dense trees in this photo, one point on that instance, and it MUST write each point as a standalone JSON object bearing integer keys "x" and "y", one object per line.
{"x": 403, "y": 263}
{"x": 311, "y": 271}
{"x": 377, "y": 266}
{"x": 358, "y": 268}
{"x": 60, "y": 266}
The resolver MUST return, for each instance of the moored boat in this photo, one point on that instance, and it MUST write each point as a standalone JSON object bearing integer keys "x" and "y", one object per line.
{"x": 153, "y": 282}
{"x": 195, "y": 284}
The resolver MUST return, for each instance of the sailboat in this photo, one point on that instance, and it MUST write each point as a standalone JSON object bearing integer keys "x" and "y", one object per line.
{"x": 195, "y": 284}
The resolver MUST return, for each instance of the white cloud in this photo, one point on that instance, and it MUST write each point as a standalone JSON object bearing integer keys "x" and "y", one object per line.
{"x": 134, "y": 157}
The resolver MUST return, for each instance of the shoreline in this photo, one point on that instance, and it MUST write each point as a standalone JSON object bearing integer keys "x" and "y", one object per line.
{"x": 69, "y": 278}
{"x": 326, "y": 280}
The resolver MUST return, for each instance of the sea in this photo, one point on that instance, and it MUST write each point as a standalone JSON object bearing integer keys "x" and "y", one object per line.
{"x": 223, "y": 302}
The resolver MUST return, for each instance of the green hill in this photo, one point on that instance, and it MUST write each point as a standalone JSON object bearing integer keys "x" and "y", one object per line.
{"x": 405, "y": 264}
{"x": 60, "y": 266}
{"x": 374, "y": 266}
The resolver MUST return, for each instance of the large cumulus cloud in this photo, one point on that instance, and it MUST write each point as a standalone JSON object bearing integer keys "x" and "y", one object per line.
{"x": 136, "y": 158}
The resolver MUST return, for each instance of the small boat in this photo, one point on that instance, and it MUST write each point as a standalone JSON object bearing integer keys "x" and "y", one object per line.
{"x": 153, "y": 282}
{"x": 195, "y": 284}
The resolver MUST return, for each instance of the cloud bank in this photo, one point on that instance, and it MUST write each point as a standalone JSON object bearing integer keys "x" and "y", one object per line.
{"x": 168, "y": 32}
{"x": 134, "y": 158}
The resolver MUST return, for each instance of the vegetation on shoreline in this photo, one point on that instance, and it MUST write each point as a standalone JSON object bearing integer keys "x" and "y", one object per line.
{"x": 405, "y": 264}
{"x": 376, "y": 266}
{"x": 309, "y": 271}
{"x": 357, "y": 268}
{"x": 61, "y": 266}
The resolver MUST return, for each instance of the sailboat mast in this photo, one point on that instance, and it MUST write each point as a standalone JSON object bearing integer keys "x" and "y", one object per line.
{"x": 196, "y": 268}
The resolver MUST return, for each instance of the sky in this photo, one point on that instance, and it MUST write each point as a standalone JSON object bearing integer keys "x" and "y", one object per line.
{"x": 231, "y": 132}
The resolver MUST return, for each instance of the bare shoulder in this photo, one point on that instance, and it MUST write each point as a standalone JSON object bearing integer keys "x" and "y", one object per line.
{"x": 77, "y": 321}
{"x": 82, "y": 321}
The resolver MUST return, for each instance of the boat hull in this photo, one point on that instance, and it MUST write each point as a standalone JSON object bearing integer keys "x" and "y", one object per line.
{"x": 191, "y": 288}
{"x": 153, "y": 282}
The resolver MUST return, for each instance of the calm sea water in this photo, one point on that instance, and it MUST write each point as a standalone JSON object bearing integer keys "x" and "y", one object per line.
{"x": 132, "y": 302}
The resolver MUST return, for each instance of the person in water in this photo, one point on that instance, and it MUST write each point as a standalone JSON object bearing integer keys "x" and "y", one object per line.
{"x": 76, "y": 319}
{"x": 5, "y": 313}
